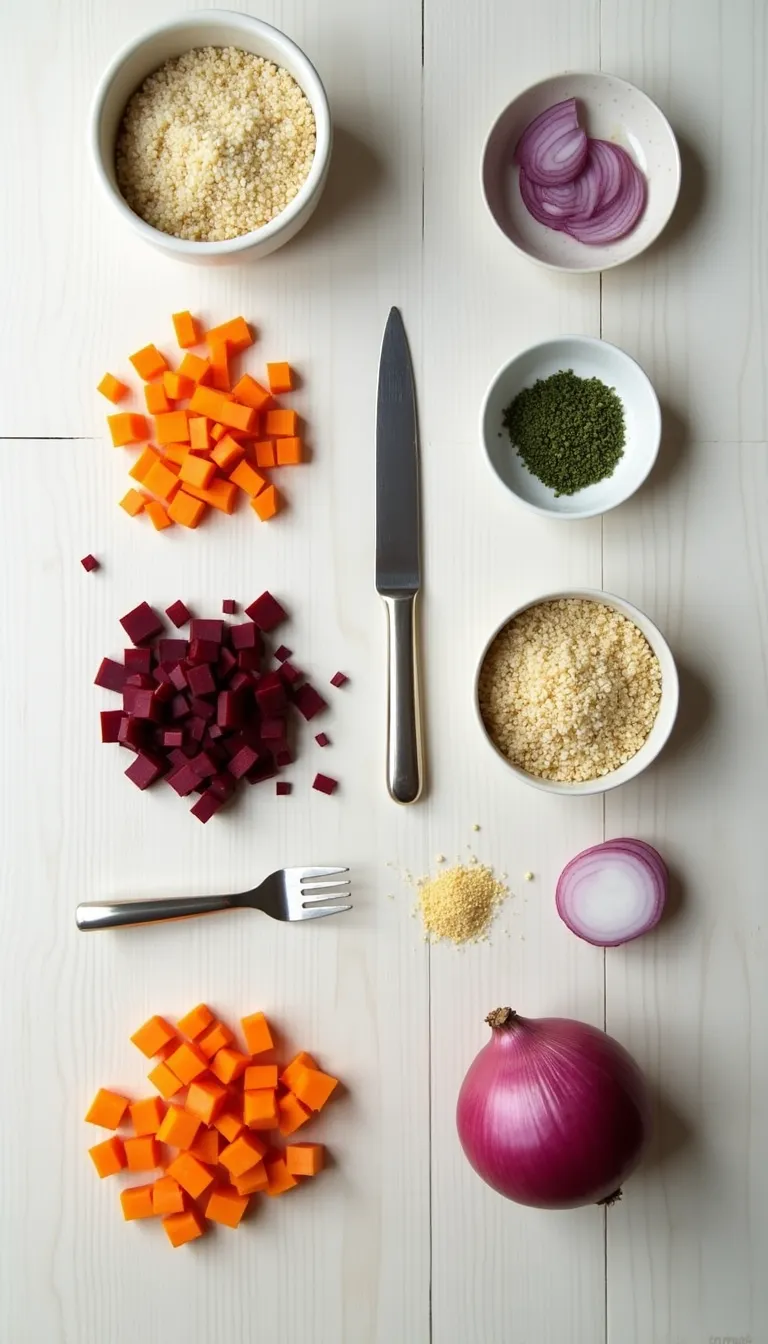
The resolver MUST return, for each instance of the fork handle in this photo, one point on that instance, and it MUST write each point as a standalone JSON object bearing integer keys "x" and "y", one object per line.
{"x": 119, "y": 914}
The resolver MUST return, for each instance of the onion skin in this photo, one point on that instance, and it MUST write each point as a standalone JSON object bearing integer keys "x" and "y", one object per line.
{"x": 552, "y": 1113}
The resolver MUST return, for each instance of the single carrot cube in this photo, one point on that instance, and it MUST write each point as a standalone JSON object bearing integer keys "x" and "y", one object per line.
{"x": 185, "y": 510}
{"x": 260, "y": 1109}
{"x": 215, "y": 1038}
{"x": 111, "y": 388}
{"x": 264, "y": 452}
{"x": 219, "y": 361}
{"x": 206, "y": 1099}
{"x": 280, "y": 378}
{"x": 177, "y": 386}
{"x": 187, "y": 1062}
{"x": 183, "y": 1227}
{"x": 251, "y": 393}
{"x": 142, "y": 1154}
{"x": 289, "y": 452}
{"x": 217, "y": 433}
{"x": 258, "y": 1036}
{"x": 206, "y": 1147}
{"x": 281, "y": 424}
{"x": 165, "y": 1080}
{"x": 176, "y": 452}
{"x": 179, "y": 1128}
{"x": 258, "y": 1076}
{"x": 251, "y": 1181}
{"x": 304, "y": 1159}
{"x": 220, "y": 407}
{"x": 108, "y": 1157}
{"x": 146, "y": 1116}
{"x": 239, "y": 1156}
{"x": 157, "y": 514}
{"x": 136, "y": 1201}
{"x": 236, "y": 333}
{"x": 294, "y": 1066}
{"x": 226, "y": 1206}
{"x": 247, "y": 479}
{"x": 133, "y": 502}
{"x": 279, "y": 1178}
{"x": 187, "y": 329}
{"x": 197, "y": 369}
{"x": 220, "y": 494}
{"x": 167, "y": 1196}
{"x": 148, "y": 362}
{"x": 313, "y": 1088}
{"x": 190, "y": 1173}
{"x": 127, "y": 427}
{"x": 156, "y": 398}
{"x": 153, "y": 1036}
{"x": 107, "y": 1109}
{"x": 266, "y": 504}
{"x": 229, "y": 1126}
{"x": 291, "y": 1115}
{"x": 197, "y": 471}
{"x": 227, "y": 453}
{"x": 199, "y": 434}
{"x": 228, "y": 1064}
{"x": 173, "y": 427}
{"x": 161, "y": 480}
{"x": 144, "y": 463}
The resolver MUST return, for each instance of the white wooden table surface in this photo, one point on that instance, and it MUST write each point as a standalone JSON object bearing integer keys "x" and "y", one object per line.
{"x": 400, "y": 1243}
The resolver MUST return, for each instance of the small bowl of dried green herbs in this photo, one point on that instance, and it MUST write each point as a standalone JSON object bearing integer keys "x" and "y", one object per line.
{"x": 571, "y": 427}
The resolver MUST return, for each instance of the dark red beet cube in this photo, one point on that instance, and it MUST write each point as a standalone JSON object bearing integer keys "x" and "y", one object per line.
{"x": 308, "y": 701}
{"x": 245, "y": 636}
{"x": 132, "y": 732}
{"x": 270, "y": 694}
{"x": 141, "y": 624}
{"x": 177, "y": 757}
{"x": 201, "y": 680}
{"x": 209, "y": 630}
{"x": 290, "y": 674}
{"x": 202, "y": 709}
{"x": 266, "y": 612}
{"x": 240, "y": 681}
{"x": 171, "y": 650}
{"x": 249, "y": 660}
{"x": 272, "y": 730}
{"x": 89, "y": 563}
{"x": 183, "y": 780}
{"x": 283, "y": 654}
{"x": 178, "y": 677}
{"x": 173, "y": 737}
{"x": 227, "y": 661}
{"x": 339, "y": 679}
{"x": 324, "y": 784}
{"x": 206, "y": 806}
{"x": 145, "y": 769}
{"x": 283, "y": 757}
{"x": 282, "y": 788}
{"x": 242, "y": 762}
{"x": 165, "y": 693}
{"x": 222, "y": 785}
{"x": 263, "y": 769}
{"x": 180, "y": 707}
{"x": 323, "y": 740}
{"x": 178, "y": 613}
{"x": 203, "y": 651}
{"x": 215, "y": 732}
{"x": 140, "y": 679}
{"x": 229, "y": 709}
{"x": 204, "y": 765}
{"x": 140, "y": 703}
{"x": 195, "y": 729}
{"x": 138, "y": 660}
{"x": 229, "y": 606}
{"x": 110, "y": 724}
{"x": 111, "y": 675}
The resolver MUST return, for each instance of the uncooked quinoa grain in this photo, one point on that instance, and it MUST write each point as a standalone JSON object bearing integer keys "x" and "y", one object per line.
{"x": 460, "y": 902}
{"x": 570, "y": 690}
{"x": 214, "y": 144}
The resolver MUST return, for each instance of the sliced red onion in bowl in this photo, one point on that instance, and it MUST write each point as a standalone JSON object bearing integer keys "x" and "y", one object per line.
{"x": 613, "y": 221}
{"x": 554, "y": 216}
{"x": 613, "y": 892}
{"x": 553, "y": 147}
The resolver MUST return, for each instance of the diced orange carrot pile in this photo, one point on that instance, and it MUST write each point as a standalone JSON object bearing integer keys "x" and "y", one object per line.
{"x": 224, "y": 1126}
{"x": 216, "y": 432}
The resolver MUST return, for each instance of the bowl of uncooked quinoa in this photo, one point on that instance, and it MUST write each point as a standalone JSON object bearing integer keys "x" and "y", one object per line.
{"x": 577, "y": 692}
{"x": 212, "y": 136}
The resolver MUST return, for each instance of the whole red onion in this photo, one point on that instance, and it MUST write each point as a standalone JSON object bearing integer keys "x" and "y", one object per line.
{"x": 552, "y": 1113}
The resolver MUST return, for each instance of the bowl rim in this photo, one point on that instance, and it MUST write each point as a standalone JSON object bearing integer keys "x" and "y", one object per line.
{"x": 606, "y": 265}
{"x": 670, "y": 696}
{"x": 311, "y": 86}
{"x": 581, "y": 514}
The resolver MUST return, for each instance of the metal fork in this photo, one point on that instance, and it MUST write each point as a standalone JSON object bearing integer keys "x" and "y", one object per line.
{"x": 290, "y": 893}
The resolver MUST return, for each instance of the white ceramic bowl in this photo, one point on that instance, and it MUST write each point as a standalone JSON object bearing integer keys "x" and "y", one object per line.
{"x": 609, "y": 109}
{"x": 665, "y": 719}
{"x": 588, "y": 357}
{"x": 215, "y": 28}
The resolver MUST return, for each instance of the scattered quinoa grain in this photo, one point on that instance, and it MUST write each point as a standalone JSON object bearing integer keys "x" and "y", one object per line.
{"x": 528, "y": 877}
{"x": 460, "y": 903}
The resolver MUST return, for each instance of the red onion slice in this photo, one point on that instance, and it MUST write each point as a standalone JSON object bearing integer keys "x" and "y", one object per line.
{"x": 613, "y": 892}
{"x": 614, "y": 220}
{"x": 553, "y": 148}
{"x": 555, "y": 217}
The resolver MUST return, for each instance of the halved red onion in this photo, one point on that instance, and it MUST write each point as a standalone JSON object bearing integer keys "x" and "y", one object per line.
{"x": 613, "y": 892}
{"x": 612, "y": 221}
{"x": 553, "y": 148}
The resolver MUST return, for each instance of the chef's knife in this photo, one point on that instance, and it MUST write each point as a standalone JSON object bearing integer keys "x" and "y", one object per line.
{"x": 398, "y": 555}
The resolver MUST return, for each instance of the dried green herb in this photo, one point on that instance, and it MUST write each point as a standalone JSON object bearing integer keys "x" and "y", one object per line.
{"x": 569, "y": 431}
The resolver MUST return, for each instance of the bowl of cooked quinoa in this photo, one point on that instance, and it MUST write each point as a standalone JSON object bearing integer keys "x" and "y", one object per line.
{"x": 211, "y": 135}
{"x": 577, "y": 692}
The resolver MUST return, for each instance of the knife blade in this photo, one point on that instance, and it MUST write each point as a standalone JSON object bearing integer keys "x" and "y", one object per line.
{"x": 398, "y": 554}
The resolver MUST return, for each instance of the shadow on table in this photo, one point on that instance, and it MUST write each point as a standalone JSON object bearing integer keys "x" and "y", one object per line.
{"x": 673, "y": 450}
{"x": 695, "y": 712}
{"x": 355, "y": 178}
{"x": 671, "y": 1131}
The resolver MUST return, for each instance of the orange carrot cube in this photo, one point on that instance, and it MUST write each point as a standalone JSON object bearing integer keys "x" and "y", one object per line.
{"x": 239, "y": 1156}
{"x": 280, "y": 378}
{"x": 291, "y": 1114}
{"x": 199, "y": 434}
{"x": 127, "y": 427}
{"x": 108, "y": 1157}
{"x": 289, "y": 452}
{"x": 157, "y": 515}
{"x": 167, "y": 1195}
{"x": 196, "y": 1021}
{"x": 177, "y": 386}
{"x": 251, "y": 393}
{"x": 219, "y": 361}
{"x": 144, "y": 463}
{"x": 206, "y": 1147}
{"x": 107, "y": 1109}
{"x": 156, "y": 398}
{"x": 229, "y": 1126}
{"x": 226, "y": 1206}
{"x": 197, "y": 471}
{"x": 264, "y": 452}
{"x": 227, "y": 453}
{"x": 188, "y": 1062}
{"x": 206, "y": 1099}
{"x": 304, "y": 1159}
{"x": 260, "y": 1109}
{"x": 148, "y": 362}
{"x": 236, "y": 333}
{"x": 266, "y": 504}
{"x": 172, "y": 427}
{"x": 111, "y": 388}
{"x": 258, "y": 1076}
{"x": 313, "y": 1088}
{"x": 220, "y": 407}
{"x": 217, "y": 433}
{"x": 133, "y": 502}
{"x": 176, "y": 452}
{"x": 258, "y": 1036}
{"x": 142, "y": 1154}
{"x": 146, "y": 1116}
{"x": 183, "y": 1227}
{"x": 247, "y": 479}
{"x": 153, "y": 1036}
{"x": 279, "y": 1178}
{"x": 220, "y": 494}
{"x": 187, "y": 329}
{"x": 228, "y": 1064}
{"x": 190, "y": 1173}
{"x": 161, "y": 480}
{"x": 293, "y": 1068}
{"x": 195, "y": 368}
{"x": 186, "y": 510}
{"x": 281, "y": 424}
{"x": 179, "y": 1128}
{"x": 136, "y": 1201}
{"x": 165, "y": 1080}
{"x": 252, "y": 1180}
{"x": 215, "y": 1038}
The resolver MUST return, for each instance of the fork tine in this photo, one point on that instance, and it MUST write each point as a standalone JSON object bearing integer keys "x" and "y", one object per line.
{"x": 314, "y": 887}
{"x": 319, "y": 911}
{"x": 306, "y": 874}
{"x": 330, "y": 898}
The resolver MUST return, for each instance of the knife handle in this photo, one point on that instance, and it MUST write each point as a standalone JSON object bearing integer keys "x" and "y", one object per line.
{"x": 403, "y": 719}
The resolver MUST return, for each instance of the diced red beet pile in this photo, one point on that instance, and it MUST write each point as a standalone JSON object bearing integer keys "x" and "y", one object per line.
{"x": 207, "y": 712}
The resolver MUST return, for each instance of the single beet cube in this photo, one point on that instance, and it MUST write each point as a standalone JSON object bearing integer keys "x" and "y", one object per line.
{"x": 176, "y": 757}
{"x": 89, "y": 563}
{"x": 240, "y": 681}
{"x": 282, "y": 788}
{"x": 249, "y": 660}
{"x": 323, "y": 740}
{"x": 201, "y": 680}
{"x": 178, "y": 613}
{"x": 339, "y": 679}
{"x": 202, "y": 709}
{"x": 203, "y": 765}
{"x": 290, "y": 674}
{"x": 308, "y": 701}
{"x": 204, "y": 651}
{"x": 141, "y": 680}
{"x": 283, "y": 757}
{"x": 272, "y": 730}
{"x": 227, "y": 661}
{"x": 110, "y": 724}
{"x": 183, "y": 780}
{"x": 215, "y": 732}
{"x": 172, "y": 737}
{"x": 270, "y": 694}
{"x": 162, "y": 675}
{"x": 229, "y": 606}
{"x": 283, "y": 654}
{"x": 164, "y": 693}
{"x": 245, "y": 636}
{"x": 132, "y": 732}
{"x": 145, "y": 769}
{"x": 263, "y": 770}
{"x": 111, "y": 675}
{"x": 222, "y": 785}
{"x": 242, "y": 762}
{"x": 229, "y": 709}
{"x": 212, "y": 630}
{"x": 206, "y": 806}
{"x": 189, "y": 747}
{"x": 178, "y": 677}
{"x": 324, "y": 784}
{"x": 179, "y": 708}
{"x": 195, "y": 729}
{"x": 140, "y": 703}
{"x": 141, "y": 624}
{"x": 138, "y": 660}
{"x": 266, "y": 612}
{"x": 172, "y": 650}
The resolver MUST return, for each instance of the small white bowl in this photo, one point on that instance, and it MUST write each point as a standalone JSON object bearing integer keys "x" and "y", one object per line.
{"x": 665, "y": 719}
{"x": 209, "y": 28}
{"x": 609, "y": 109}
{"x": 589, "y": 358}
